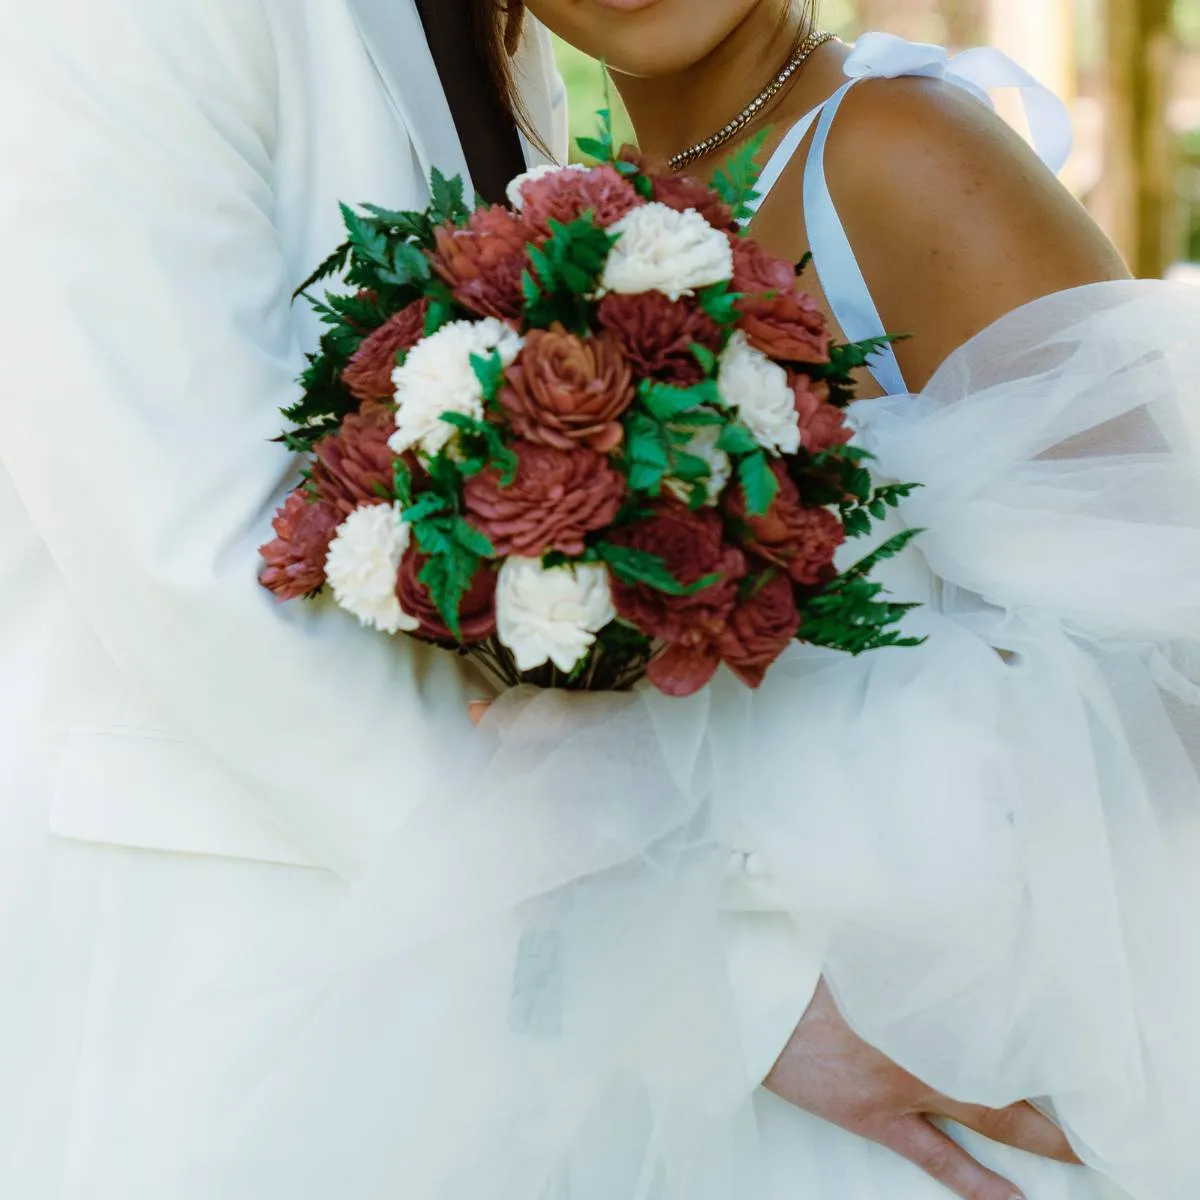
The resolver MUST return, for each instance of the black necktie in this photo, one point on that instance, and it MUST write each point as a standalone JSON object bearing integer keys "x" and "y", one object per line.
{"x": 488, "y": 135}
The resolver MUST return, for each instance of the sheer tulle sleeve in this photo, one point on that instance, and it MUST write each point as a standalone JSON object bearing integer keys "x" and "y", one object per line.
{"x": 1061, "y": 509}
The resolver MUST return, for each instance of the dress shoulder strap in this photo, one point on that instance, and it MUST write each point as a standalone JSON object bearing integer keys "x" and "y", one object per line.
{"x": 880, "y": 55}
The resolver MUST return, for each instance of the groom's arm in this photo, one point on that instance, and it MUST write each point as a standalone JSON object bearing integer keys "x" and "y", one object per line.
{"x": 145, "y": 350}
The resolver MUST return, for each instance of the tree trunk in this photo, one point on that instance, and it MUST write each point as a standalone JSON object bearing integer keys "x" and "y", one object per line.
{"x": 1137, "y": 200}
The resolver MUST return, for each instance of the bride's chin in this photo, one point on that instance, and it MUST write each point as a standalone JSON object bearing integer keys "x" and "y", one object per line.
{"x": 643, "y": 38}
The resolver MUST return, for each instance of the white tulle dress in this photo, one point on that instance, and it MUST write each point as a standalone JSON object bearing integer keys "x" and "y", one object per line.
{"x": 990, "y": 845}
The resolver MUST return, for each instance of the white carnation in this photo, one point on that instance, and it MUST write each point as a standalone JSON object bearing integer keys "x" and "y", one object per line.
{"x": 551, "y": 614}
{"x": 363, "y": 563}
{"x": 513, "y": 191}
{"x": 758, "y": 389}
{"x": 437, "y": 377}
{"x": 661, "y": 250}
{"x": 703, "y": 444}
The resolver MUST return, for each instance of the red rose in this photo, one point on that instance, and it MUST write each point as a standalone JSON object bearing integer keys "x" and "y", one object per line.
{"x": 368, "y": 375}
{"x": 483, "y": 262}
{"x": 822, "y": 425}
{"x": 757, "y": 274}
{"x": 476, "y": 614}
{"x": 657, "y": 335}
{"x": 565, "y": 391}
{"x": 760, "y": 629}
{"x": 692, "y": 546}
{"x": 296, "y": 558}
{"x": 557, "y": 498}
{"x": 355, "y": 466}
{"x": 803, "y": 541}
{"x": 682, "y": 192}
{"x": 788, "y": 328}
{"x": 566, "y": 195}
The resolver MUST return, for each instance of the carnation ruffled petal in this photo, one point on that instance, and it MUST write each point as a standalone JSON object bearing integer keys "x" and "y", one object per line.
{"x": 760, "y": 391}
{"x": 551, "y": 614}
{"x": 363, "y": 563}
{"x": 437, "y": 377}
{"x": 662, "y": 250}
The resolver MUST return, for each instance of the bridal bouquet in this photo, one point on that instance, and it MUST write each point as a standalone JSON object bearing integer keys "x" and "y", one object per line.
{"x": 591, "y": 436}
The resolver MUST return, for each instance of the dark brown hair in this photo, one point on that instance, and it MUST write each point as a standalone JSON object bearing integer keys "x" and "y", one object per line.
{"x": 498, "y": 28}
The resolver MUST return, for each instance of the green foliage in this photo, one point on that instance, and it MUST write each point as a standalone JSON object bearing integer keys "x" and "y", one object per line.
{"x": 384, "y": 265}
{"x": 566, "y": 272}
{"x": 864, "y": 507}
{"x": 490, "y": 373}
{"x": 659, "y": 430}
{"x": 602, "y": 147}
{"x": 759, "y": 484}
{"x": 456, "y": 552}
{"x": 706, "y": 358}
{"x": 666, "y": 403}
{"x": 481, "y": 445}
{"x": 449, "y": 205}
{"x": 736, "y": 439}
{"x": 637, "y": 567}
{"x": 736, "y": 182}
{"x": 333, "y": 265}
{"x": 442, "y": 309}
{"x": 844, "y": 361}
{"x": 720, "y": 302}
{"x": 853, "y": 614}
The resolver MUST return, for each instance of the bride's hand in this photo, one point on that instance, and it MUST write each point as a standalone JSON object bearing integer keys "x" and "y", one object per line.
{"x": 477, "y": 710}
{"x": 829, "y": 1071}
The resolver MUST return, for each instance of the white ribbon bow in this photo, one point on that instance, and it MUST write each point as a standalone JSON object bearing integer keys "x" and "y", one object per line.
{"x": 980, "y": 71}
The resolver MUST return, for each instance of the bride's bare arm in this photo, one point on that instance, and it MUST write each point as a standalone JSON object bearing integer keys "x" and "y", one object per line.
{"x": 953, "y": 218}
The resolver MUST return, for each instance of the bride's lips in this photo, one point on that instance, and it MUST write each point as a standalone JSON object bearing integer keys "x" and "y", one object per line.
{"x": 625, "y": 5}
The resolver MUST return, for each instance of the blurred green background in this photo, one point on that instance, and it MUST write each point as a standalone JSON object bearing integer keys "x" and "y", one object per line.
{"x": 1129, "y": 69}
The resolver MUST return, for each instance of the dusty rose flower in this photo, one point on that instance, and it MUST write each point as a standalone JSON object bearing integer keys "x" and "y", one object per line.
{"x": 556, "y": 499}
{"x": 565, "y": 196}
{"x": 803, "y": 541}
{"x": 476, "y": 614}
{"x": 368, "y": 375}
{"x": 355, "y": 466}
{"x": 565, "y": 391}
{"x": 788, "y": 328}
{"x": 822, "y": 425}
{"x": 760, "y": 629}
{"x": 296, "y": 558}
{"x": 657, "y": 334}
{"x": 757, "y": 273}
{"x": 693, "y": 546}
{"x": 484, "y": 261}
{"x": 682, "y": 192}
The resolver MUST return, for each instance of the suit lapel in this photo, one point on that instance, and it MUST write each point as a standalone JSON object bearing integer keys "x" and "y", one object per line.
{"x": 395, "y": 40}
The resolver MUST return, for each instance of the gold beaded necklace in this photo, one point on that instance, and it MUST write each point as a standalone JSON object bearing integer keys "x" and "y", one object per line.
{"x": 804, "y": 52}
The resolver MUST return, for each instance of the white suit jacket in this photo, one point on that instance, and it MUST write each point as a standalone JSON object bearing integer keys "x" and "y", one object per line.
{"x": 171, "y": 170}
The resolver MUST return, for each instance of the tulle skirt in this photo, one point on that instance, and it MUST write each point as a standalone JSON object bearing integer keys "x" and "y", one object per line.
{"x": 991, "y": 842}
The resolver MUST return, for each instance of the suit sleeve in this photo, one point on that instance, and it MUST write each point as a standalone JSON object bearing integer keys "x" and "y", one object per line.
{"x": 146, "y": 348}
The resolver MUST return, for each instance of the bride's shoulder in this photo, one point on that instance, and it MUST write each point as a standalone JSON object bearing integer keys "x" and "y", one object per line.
{"x": 933, "y": 148}
{"x": 951, "y": 214}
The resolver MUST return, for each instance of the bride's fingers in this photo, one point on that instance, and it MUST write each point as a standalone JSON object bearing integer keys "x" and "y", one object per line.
{"x": 914, "y": 1138}
{"x": 1020, "y": 1125}
{"x": 477, "y": 710}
